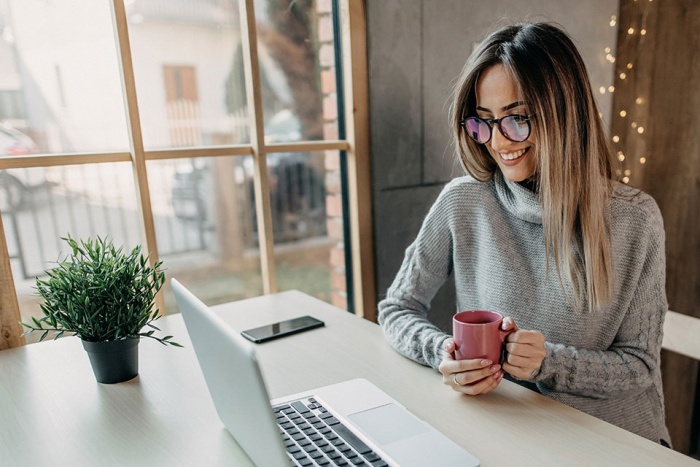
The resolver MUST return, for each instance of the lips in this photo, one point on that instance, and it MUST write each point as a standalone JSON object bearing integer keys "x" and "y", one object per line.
{"x": 513, "y": 158}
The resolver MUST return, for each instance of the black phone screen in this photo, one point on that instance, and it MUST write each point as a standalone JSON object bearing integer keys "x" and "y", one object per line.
{"x": 283, "y": 328}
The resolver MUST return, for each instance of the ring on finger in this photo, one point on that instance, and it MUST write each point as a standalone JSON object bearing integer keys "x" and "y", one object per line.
{"x": 454, "y": 378}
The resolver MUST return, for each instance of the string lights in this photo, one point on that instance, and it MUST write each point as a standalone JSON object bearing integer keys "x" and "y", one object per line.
{"x": 633, "y": 113}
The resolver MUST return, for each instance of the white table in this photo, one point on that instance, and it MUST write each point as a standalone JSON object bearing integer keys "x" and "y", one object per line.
{"x": 53, "y": 412}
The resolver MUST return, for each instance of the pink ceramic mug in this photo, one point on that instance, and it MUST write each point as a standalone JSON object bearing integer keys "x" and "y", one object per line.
{"x": 478, "y": 334}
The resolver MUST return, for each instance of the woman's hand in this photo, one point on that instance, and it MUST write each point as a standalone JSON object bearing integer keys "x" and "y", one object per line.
{"x": 525, "y": 351}
{"x": 470, "y": 377}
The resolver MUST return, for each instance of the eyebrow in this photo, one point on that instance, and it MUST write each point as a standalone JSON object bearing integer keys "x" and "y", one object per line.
{"x": 507, "y": 107}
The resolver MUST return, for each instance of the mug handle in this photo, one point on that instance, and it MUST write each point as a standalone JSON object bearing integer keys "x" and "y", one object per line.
{"x": 502, "y": 335}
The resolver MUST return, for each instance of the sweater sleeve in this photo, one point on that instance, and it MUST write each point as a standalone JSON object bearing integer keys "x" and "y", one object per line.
{"x": 630, "y": 364}
{"x": 427, "y": 264}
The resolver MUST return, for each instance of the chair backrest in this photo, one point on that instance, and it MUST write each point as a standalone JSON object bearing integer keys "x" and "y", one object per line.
{"x": 682, "y": 334}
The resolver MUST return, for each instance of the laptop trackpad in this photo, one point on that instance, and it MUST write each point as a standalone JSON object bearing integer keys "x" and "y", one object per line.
{"x": 388, "y": 423}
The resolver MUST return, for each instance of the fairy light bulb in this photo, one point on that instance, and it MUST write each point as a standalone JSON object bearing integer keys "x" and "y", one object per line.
{"x": 629, "y": 66}
{"x": 640, "y": 130}
{"x": 623, "y": 113}
{"x": 611, "y": 88}
{"x": 630, "y": 31}
{"x": 623, "y": 75}
{"x": 642, "y": 160}
{"x": 616, "y": 139}
{"x": 625, "y": 180}
{"x": 639, "y": 100}
{"x": 602, "y": 90}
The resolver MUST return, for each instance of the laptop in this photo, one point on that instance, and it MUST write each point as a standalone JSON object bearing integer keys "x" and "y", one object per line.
{"x": 349, "y": 423}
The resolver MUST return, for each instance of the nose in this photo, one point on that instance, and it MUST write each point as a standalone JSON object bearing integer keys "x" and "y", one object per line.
{"x": 498, "y": 141}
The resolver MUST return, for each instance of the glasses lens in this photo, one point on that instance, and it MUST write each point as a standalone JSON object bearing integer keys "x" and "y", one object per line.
{"x": 478, "y": 130}
{"x": 516, "y": 128}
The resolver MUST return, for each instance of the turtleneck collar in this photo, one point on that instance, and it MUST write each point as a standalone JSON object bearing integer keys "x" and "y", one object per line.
{"x": 518, "y": 200}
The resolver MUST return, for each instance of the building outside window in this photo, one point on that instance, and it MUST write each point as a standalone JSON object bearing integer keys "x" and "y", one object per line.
{"x": 65, "y": 94}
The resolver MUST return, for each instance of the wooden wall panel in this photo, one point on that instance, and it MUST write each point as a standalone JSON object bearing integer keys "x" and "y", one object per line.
{"x": 658, "y": 51}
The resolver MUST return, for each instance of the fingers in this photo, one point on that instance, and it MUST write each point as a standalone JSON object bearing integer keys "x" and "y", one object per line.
{"x": 477, "y": 381}
{"x": 470, "y": 376}
{"x": 508, "y": 324}
{"x": 449, "y": 348}
{"x": 526, "y": 337}
{"x": 449, "y": 365}
{"x": 526, "y": 351}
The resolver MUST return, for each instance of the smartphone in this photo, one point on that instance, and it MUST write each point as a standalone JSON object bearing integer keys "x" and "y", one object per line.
{"x": 281, "y": 329}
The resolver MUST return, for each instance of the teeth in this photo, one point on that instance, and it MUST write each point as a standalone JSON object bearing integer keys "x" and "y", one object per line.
{"x": 513, "y": 155}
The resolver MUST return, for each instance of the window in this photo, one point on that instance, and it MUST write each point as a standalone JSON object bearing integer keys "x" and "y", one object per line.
{"x": 11, "y": 105}
{"x": 216, "y": 142}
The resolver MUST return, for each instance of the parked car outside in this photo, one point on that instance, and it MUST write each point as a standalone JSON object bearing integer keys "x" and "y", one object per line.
{"x": 16, "y": 186}
{"x": 296, "y": 183}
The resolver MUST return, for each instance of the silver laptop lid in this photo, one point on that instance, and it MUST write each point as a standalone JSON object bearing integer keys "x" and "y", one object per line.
{"x": 234, "y": 380}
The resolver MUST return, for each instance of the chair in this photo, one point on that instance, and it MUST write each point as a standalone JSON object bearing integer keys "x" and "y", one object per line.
{"x": 682, "y": 334}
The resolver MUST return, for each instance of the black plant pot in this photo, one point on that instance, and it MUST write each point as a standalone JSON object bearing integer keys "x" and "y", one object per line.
{"x": 114, "y": 361}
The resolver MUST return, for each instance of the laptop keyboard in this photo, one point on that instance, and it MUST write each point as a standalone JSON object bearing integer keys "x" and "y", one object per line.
{"x": 313, "y": 436}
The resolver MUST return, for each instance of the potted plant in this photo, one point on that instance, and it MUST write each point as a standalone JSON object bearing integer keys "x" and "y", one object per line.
{"x": 104, "y": 296}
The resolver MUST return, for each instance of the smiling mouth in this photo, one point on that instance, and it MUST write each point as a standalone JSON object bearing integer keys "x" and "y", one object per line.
{"x": 513, "y": 156}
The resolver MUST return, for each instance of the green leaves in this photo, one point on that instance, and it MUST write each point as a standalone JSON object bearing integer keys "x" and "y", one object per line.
{"x": 99, "y": 293}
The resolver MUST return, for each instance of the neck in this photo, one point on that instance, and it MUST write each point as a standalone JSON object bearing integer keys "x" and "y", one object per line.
{"x": 530, "y": 184}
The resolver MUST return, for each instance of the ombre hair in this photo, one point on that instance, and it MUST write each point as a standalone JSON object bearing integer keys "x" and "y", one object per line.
{"x": 574, "y": 160}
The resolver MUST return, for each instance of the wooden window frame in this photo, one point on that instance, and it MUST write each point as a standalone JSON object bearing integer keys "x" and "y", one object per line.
{"x": 355, "y": 145}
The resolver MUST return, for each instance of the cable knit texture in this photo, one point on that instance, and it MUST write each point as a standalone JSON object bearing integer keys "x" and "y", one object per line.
{"x": 603, "y": 362}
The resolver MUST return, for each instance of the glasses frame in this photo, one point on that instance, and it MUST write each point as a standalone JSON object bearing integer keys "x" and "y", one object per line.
{"x": 491, "y": 121}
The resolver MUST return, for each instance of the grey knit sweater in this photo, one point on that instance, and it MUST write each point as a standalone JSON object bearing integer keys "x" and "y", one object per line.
{"x": 603, "y": 362}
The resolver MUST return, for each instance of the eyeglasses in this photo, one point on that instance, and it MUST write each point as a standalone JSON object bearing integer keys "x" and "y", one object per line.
{"x": 514, "y": 127}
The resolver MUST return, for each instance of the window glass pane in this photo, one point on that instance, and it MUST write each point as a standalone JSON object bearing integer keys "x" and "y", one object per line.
{"x": 189, "y": 72}
{"x": 41, "y": 205}
{"x": 306, "y": 204}
{"x": 297, "y": 69}
{"x": 204, "y": 214}
{"x": 60, "y": 92}
{"x": 59, "y": 77}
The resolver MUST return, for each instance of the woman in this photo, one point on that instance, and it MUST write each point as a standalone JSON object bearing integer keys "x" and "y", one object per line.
{"x": 541, "y": 233}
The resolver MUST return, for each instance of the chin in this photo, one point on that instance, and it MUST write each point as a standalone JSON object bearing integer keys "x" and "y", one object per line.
{"x": 517, "y": 176}
{"x": 517, "y": 171}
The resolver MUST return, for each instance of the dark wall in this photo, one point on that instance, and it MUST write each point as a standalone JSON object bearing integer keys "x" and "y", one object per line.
{"x": 416, "y": 49}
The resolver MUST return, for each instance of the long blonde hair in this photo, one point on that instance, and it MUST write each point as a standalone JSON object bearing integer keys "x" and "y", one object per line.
{"x": 574, "y": 169}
